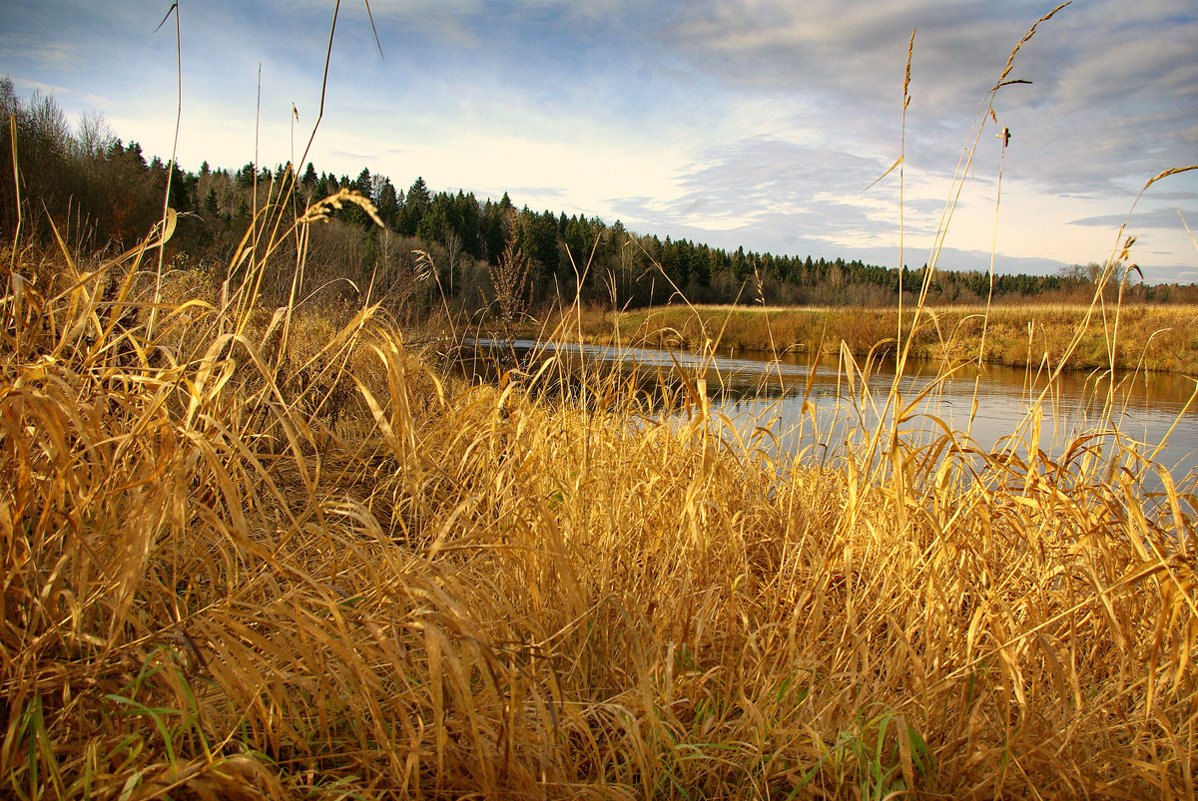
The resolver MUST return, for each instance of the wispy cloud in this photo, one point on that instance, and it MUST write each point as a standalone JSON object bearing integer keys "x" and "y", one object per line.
{"x": 1159, "y": 218}
{"x": 58, "y": 92}
{"x": 34, "y": 52}
{"x": 730, "y": 121}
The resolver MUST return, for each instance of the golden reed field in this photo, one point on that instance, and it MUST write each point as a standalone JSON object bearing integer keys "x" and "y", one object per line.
{"x": 259, "y": 553}
{"x": 256, "y": 554}
{"x": 1152, "y": 338}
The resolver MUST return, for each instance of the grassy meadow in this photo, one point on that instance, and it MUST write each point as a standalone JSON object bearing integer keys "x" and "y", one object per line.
{"x": 260, "y": 551}
{"x": 264, "y": 553}
{"x": 1160, "y": 338}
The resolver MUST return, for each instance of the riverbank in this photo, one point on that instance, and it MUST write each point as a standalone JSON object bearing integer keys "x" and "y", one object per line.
{"x": 1152, "y": 338}
{"x": 261, "y": 553}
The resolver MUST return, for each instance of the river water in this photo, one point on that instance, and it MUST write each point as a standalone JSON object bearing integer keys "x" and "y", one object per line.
{"x": 798, "y": 405}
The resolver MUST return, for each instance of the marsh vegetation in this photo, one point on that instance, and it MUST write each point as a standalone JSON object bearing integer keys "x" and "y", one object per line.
{"x": 256, "y": 543}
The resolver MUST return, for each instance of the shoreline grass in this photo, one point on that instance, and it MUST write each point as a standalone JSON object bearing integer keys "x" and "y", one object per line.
{"x": 1151, "y": 338}
{"x": 267, "y": 553}
{"x": 215, "y": 586}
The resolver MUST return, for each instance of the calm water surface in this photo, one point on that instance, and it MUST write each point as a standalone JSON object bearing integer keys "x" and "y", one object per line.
{"x": 802, "y": 403}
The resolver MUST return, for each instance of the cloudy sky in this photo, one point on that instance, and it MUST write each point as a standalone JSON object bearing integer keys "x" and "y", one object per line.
{"x": 754, "y": 122}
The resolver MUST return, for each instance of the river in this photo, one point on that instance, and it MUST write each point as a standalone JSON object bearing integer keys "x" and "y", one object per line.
{"x": 797, "y": 404}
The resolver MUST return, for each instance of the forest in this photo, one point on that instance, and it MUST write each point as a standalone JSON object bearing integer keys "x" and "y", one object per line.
{"x": 103, "y": 196}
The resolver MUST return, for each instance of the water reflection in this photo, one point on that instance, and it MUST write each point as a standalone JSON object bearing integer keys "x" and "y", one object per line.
{"x": 796, "y": 402}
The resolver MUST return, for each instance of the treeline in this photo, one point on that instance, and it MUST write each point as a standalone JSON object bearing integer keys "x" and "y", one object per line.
{"x": 102, "y": 194}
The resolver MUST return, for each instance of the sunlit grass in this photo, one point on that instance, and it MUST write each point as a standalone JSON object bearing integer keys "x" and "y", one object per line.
{"x": 215, "y": 581}
{"x": 1152, "y": 337}
{"x": 271, "y": 553}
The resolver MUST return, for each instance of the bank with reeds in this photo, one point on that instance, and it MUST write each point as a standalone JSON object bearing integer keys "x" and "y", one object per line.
{"x": 263, "y": 553}
{"x": 1162, "y": 338}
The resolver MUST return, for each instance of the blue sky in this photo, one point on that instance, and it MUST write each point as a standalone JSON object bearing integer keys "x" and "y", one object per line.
{"x": 754, "y": 122}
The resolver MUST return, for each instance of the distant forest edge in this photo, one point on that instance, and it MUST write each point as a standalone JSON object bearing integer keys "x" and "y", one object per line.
{"x": 103, "y": 195}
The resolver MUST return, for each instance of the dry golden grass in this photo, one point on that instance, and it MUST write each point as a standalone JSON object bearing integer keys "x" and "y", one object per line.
{"x": 254, "y": 555}
{"x": 1153, "y": 338}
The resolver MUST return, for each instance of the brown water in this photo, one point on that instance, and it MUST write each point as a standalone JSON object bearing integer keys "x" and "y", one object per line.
{"x": 797, "y": 404}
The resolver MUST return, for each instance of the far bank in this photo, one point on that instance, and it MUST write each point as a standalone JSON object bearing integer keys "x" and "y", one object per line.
{"x": 1143, "y": 337}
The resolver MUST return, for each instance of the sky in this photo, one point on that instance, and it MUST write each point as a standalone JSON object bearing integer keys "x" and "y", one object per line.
{"x": 762, "y": 123}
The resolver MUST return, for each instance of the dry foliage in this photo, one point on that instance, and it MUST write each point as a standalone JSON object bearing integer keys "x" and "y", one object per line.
{"x": 509, "y": 281}
{"x": 256, "y": 556}
{"x": 1152, "y": 338}
{"x": 249, "y": 553}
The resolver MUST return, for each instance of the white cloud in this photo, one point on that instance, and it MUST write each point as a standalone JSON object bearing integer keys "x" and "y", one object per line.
{"x": 58, "y": 92}
{"x": 733, "y": 121}
{"x": 29, "y": 49}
